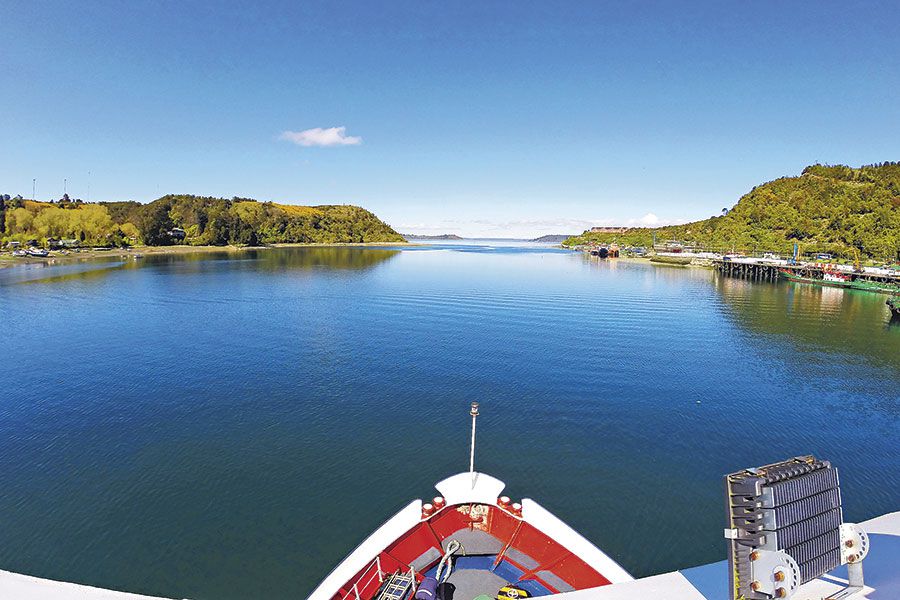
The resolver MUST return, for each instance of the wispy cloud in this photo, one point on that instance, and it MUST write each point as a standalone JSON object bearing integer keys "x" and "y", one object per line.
{"x": 318, "y": 136}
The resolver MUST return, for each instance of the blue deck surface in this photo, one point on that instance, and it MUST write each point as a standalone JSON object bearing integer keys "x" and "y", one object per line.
{"x": 710, "y": 580}
{"x": 881, "y": 569}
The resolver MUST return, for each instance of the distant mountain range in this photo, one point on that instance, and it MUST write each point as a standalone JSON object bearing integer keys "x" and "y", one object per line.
{"x": 445, "y": 236}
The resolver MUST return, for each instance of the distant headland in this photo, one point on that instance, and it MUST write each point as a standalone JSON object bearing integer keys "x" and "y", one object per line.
{"x": 834, "y": 209}
{"x": 555, "y": 238}
{"x": 445, "y": 236}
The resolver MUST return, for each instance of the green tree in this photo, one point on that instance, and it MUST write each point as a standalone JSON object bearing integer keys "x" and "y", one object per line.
{"x": 154, "y": 224}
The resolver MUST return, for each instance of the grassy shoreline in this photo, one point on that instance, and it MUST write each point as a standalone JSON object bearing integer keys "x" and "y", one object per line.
{"x": 8, "y": 260}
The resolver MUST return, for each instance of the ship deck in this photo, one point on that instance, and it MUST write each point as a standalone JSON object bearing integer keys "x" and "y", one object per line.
{"x": 710, "y": 582}
{"x": 707, "y": 582}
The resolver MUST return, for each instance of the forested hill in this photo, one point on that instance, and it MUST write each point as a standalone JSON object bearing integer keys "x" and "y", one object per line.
{"x": 825, "y": 209}
{"x": 193, "y": 220}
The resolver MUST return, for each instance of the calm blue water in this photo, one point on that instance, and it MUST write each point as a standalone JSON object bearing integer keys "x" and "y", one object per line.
{"x": 230, "y": 426}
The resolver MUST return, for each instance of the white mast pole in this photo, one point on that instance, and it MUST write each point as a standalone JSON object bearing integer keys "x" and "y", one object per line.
{"x": 474, "y": 413}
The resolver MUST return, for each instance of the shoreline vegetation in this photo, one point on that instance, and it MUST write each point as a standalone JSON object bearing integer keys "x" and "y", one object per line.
{"x": 176, "y": 220}
{"x": 839, "y": 210}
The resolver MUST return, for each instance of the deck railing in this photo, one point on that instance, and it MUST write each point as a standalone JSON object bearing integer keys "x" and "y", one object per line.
{"x": 365, "y": 579}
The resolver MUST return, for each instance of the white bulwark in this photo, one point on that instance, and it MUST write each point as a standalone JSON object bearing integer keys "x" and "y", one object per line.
{"x": 14, "y": 586}
{"x": 549, "y": 524}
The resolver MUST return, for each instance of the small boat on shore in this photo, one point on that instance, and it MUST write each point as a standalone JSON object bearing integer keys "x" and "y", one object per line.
{"x": 680, "y": 261}
{"x": 19, "y": 253}
{"x": 37, "y": 252}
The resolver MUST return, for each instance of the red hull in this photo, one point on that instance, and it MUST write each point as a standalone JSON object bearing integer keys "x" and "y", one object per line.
{"x": 515, "y": 537}
{"x": 497, "y": 544}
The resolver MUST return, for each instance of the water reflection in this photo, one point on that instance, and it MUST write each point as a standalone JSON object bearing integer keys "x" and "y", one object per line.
{"x": 277, "y": 259}
{"x": 328, "y": 257}
{"x": 274, "y": 259}
{"x": 62, "y": 272}
{"x": 814, "y": 318}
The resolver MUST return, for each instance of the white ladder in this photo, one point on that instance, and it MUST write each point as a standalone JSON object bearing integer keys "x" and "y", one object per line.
{"x": 396, "y": 587}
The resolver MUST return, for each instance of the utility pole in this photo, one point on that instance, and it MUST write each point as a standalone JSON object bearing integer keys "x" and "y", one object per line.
{"x": 65, "y": 186}
{"x": 33, "y": 184}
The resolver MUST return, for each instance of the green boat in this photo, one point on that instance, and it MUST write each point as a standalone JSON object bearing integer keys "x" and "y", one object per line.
{"x": 842, "y": 280}
{"x": 894, "y": 304}
{"x": 829, "y": 279}
{"x": 875, "y": 286}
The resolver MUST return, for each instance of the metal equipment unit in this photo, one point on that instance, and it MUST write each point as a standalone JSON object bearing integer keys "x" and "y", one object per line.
{"x": 785, "y": 528}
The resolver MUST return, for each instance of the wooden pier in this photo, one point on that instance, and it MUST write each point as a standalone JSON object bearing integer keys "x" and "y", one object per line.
{"x": 762, "y": 270}
{"x": 748, "y": 270}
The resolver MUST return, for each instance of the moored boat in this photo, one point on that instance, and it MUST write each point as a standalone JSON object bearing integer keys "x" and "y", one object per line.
{"x": 671, "y": 260}
{"x": 875, "y": 286}
{"x": 834, "y": 278}
{"x": 894, "y": 305}
{"x": 37, "y": 252}
{"x": 829, "y": 278}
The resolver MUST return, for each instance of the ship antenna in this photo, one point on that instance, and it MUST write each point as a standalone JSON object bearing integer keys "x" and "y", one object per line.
{"x": 474, "y": 413}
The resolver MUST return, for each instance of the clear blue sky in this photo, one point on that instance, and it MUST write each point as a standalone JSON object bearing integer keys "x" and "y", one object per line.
{"x": 486, "y": 118}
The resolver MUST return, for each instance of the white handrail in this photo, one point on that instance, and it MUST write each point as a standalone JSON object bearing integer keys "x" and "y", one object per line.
{"x": 354, "y": 589}
{"x": 359, "y": 584}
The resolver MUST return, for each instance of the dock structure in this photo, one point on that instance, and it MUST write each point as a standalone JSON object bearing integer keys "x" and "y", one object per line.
{"x": 763, "y": 269}
{"x": 748, "y": 269}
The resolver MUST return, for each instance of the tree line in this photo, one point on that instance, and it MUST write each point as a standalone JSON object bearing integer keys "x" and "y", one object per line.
{"x": 187, "y": 219}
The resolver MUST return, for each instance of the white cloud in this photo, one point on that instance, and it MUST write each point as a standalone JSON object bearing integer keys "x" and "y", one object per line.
{"x": 649, "y": 220}
{"x": 317, "y": 136}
